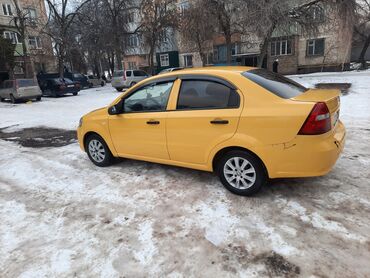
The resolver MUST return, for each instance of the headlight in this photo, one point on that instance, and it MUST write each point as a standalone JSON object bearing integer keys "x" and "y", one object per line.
{"x": 80, "y": 123}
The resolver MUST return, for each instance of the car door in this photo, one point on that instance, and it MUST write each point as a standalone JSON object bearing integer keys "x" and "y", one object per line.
{"x": 140, "y": 130}
{"x": 207, "y": 113}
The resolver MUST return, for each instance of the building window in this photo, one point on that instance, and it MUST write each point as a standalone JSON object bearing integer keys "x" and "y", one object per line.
{"x": 19, "y": 68}
{"x": 7, "y": 9}
{"x": 12, "y": 36}
{"x": 183, "y": 7}
{"x": 281, "y": 47}
{"x": 131, "y": 65}
{"x": 164, "y": 60}
{"x": 31, "y": 13}
{"x": 133, "y": 41}
{"x": 188, "y": 61}
{"x": 315, "y": 47}
{"x": 316, "y": 13}
{"x": 163, "y": 36}
{"x": 209, "y": 58}
{"x": 234, "y": 49}
{"x": 34, "y": 42}
{"x": 130, "y": 17}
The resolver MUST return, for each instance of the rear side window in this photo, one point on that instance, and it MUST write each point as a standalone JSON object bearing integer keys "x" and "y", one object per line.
{"x": 128, "y": 73}
{"x": 118, "y": 73}
{"x": 275, "y": 83}
{"x": 139, "y": 73}
{"x": 26, "y": 82}
{"x": 199, "y": 94}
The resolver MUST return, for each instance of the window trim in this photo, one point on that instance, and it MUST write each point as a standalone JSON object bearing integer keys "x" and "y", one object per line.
{"x": 280, "y": 42}
{"x": 314, "y": 47}
{"x": 8, "y": 8}
{"x": 167, "y": 59}
{"x": 208, "y": 79}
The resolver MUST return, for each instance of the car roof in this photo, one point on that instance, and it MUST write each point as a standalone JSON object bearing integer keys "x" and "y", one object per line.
{"x": 214, "y": 70}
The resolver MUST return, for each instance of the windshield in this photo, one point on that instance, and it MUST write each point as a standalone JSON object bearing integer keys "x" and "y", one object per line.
{"x": 26, "y": 82}
{"x": 275, "y": 83}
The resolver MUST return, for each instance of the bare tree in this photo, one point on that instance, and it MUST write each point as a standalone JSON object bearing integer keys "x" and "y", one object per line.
{"x": 60, "y": 20}
{"x": 227, "y": 14}
{"x": 362, "y": 28}
{"x": 197, "y": 27}
{"x": 157, "y": 17}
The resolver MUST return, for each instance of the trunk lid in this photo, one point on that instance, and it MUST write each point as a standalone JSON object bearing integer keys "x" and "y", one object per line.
{"x": 331, "y": 97}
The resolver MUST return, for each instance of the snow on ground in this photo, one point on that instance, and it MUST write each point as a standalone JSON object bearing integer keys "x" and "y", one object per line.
{"x": 62, "y": 216}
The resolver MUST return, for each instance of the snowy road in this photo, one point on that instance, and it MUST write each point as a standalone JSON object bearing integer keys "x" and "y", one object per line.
{"x": 61, "y": 216}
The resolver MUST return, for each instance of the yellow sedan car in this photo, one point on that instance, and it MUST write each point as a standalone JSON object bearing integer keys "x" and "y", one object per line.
{"x": 245, "y": 124}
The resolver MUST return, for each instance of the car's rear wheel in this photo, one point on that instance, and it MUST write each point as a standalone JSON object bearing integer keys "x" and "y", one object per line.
{"x": 119, "y": 89}
{"x": 75, "y": 94}
{"x": 102, "y": 84}
{"x": 98, "y": 151}
{"x": 38, "y": 98}
{"x": 241, "y": 173}
{"x": 2, "y": 99}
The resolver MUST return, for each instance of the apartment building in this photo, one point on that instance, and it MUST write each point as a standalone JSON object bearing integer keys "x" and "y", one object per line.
{"x": 292, "y": 51}
{"x": 137, "y": 52}
{"x": 39, "y": 47}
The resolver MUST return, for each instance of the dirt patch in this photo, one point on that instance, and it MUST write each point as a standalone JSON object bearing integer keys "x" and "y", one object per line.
{"x": 343, "y": 87}
{"x": 277, "y": 265}
{"x": 40, "y": 137}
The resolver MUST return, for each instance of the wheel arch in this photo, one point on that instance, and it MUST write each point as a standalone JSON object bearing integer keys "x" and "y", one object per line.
{"x": 107, "y": 142}
{"x": 220, "y": 153}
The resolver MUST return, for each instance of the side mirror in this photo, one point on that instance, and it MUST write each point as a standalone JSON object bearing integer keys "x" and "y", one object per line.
{"x": 116, "y": 109}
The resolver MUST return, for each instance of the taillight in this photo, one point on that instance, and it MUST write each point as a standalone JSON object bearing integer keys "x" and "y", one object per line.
{"x": 318, "y": 122}
{"x": 62, "y": 87}
{"x": 78, "y": 85}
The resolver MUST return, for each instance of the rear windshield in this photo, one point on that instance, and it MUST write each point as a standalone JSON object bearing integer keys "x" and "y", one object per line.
{"x": 139, "y": 73}
{"x": 26, "y": 82}
{"x": 118, "y": 73}
{"x": 275, "y": 83}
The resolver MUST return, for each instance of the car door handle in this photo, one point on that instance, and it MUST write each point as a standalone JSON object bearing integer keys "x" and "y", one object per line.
{"x": 152, "y": 122}
{"x": 219, "y": 122}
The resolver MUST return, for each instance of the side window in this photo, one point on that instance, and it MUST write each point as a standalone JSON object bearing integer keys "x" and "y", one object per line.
{"x": 198, "y": 94}
{"x": 153, "y": 97}
{"x": 139, "y": 73}
{"x": 128, "y": 73}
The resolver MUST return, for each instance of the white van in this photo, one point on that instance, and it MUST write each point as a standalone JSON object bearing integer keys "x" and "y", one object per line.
{"x": 127, "y": 78}
{"x": 20, "y": 89}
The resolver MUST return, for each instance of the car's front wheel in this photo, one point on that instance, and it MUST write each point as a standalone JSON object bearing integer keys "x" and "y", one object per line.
{"x": 98, "y": 151}
{"x": 241, "y": 173}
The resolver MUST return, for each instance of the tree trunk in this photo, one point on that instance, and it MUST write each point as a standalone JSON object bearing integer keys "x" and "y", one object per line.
{"x": 362, "y": 59}
{"x": 264, "y": 46}
{"x": 228, "y": 48}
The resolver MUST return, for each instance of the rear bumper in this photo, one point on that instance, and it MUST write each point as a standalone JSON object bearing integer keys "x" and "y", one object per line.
{"x": 310, "y": 156}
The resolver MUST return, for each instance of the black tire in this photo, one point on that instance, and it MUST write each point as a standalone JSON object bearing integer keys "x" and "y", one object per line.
{"x": 132, "y": 84}
{"x": 119, "y": 89}
{"x": 102, "y": 84}
{"x": 12, "y": 99}
{"x": 108, "y": 157}
{"x": 91, "y": 85}
{"x": 38, "y": 99}
{"x": 2, "y": 99}
{"x": 251, "y": 178}
{"x": 75, "y": 94}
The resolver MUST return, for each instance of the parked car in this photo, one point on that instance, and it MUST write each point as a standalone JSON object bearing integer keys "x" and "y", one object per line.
{"x": 20, "y": 89}
{"x": 78, "y": 77}
{"x": 245, "y": 124}
{"x": 127, "y": 78}
{"x": 170, "y": 70}
{"x": 95, "y": 81}
{"x": 56, "y": 87}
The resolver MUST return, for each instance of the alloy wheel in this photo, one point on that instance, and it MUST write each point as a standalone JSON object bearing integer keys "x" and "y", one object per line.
{"x": 239, "y": 173}
{"x": 97, "y": 150}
